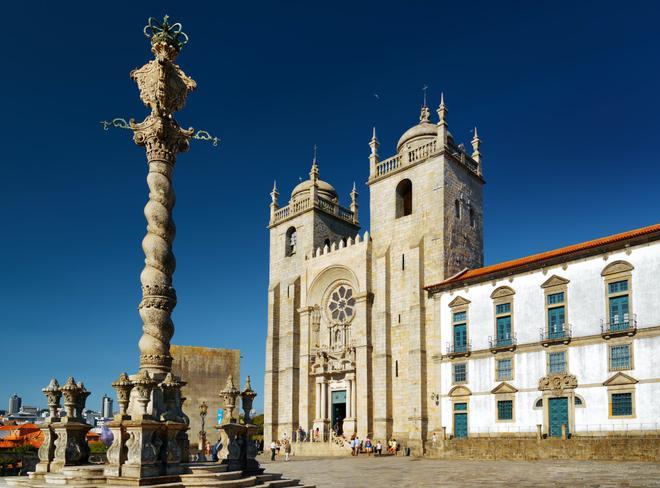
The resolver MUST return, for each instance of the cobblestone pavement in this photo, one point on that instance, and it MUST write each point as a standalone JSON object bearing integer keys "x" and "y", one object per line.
{"x": 390, "y": 472}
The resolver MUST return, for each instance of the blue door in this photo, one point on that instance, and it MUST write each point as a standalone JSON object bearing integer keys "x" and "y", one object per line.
{"x": 558, "y": 414}
{"x": 460, "y": 420}
{"x": 504, "y": 331}
{"x": 619, "y": 313}
{"x": 556, "y": 319}
{"x": 460, "y": 337}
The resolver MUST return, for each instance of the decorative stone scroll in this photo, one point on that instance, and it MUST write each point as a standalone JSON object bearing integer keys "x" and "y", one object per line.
{"x": 557, "y": 383}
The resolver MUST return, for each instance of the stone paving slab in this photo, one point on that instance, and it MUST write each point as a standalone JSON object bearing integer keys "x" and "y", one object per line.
{"x": 404, "y": 472}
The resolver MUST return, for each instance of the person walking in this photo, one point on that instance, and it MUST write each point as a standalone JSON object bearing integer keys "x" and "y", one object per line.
{"x": 273, "y": 450}
{"x": 434, "y": 439}
{"x": 379, "y": 449}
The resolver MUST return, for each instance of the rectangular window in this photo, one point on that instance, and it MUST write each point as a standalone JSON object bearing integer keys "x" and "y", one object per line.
{"x": 618, "y": 286}
{"x": 460, "y": 316}
{"x": 504, "y": 330}
{"x": 505, "y": 410}
{"x": 504, "y": 369}
{"x": 620, "y": 357}
{"x": 503, "y": 308}
{"x": 557, "y": 362}
{"x": 460, "y": 372}
{"x": 555, "y": 298}
{"x": 621, "y": 404}
{"x": 461, "y": 407}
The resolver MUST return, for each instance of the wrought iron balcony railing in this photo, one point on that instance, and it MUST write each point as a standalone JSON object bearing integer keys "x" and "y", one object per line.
{"x": 503, "y": 343}
{"x": 619, "y": 325}
{"x": 460, "y": 349}
{"x": 561, "y": 334}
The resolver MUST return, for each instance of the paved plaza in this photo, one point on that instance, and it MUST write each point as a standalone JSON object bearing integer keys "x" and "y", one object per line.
{"x": 363, "y": 472}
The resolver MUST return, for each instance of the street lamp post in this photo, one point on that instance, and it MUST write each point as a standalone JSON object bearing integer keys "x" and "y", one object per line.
{"x": 203, "y": 410}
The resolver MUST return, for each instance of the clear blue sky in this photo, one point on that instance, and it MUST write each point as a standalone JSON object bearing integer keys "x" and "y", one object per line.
{"x": 565, "y": 95}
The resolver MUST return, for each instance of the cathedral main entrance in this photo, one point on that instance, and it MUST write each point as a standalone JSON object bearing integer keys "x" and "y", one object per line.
{"x": 338, "y": 411}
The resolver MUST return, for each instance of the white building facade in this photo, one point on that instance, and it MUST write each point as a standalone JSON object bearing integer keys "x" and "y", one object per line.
{"x": 563, "y": 343}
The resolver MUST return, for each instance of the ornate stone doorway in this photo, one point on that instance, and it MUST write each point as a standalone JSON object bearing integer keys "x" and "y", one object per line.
{"x": 338, "y": 411}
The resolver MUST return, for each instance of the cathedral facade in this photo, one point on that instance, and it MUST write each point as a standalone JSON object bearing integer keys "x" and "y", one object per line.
{"x": 403, "y": 332}
{"x": 350, "y": 330}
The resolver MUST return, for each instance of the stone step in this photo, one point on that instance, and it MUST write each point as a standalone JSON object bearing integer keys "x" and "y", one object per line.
{"x": 268, "y": 477}
{"x": 206, "y": 467}
{"x": 282, "y": 483}
{"x": 217, "y": 476}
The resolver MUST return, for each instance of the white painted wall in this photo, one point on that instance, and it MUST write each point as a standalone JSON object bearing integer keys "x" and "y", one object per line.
{"x": 586, "y": 307}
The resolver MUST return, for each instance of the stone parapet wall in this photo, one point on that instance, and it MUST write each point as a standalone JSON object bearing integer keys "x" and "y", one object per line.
{"x": 318, "y": 449}
{"x": 580, "y": 449}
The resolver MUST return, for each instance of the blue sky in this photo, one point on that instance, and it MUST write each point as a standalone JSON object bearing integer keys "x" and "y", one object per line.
{"x": 564, "y": 95}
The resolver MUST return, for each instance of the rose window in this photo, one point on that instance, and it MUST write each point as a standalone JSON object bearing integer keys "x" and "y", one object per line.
{"x": 342, "y": 304}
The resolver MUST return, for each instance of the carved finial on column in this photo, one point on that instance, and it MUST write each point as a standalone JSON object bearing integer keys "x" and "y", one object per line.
{"x": 123, "y": 387}
{"x": 247, "y": 397}
{"x": 229, "y": 395}
{"x": 144, "y": 385}
{"x": 354, "y": 204}
{"x": 443, "y": 131}
{"x": 53, "y": 395}
{"x": 274, "y": 203}
{"x": 476, "y": 144}
{"x": 314, "y": 172}
{"x": 373, "y": 156}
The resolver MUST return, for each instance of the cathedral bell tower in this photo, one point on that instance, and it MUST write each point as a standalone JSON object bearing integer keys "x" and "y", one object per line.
{"x": 312, "y": 219}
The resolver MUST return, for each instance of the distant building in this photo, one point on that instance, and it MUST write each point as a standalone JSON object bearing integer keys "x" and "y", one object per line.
{"x": 15, "y": 403}
{"x": 106, "y": 407}
{"x": 205, "y": 370}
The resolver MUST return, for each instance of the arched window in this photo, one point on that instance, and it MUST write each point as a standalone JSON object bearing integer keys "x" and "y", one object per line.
{"x": 457, "y": 209}
{"x": 291, "y": 241}
{"x": 404, "y": 198}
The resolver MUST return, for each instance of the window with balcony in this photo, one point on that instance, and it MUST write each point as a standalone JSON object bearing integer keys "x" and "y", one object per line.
{"x": 619, "y": 318}
{"x": 459, "y": 325}
{"x": 556, "y": 315}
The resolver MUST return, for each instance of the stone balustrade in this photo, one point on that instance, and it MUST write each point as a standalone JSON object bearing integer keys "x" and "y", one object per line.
{"x": 304, "y": 204}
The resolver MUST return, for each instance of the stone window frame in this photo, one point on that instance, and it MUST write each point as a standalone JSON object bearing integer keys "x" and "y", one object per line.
{"x": 403, "y": 203}
{"x": 555, "y": 350}
{"x": 500, "y": 296}
{"x": 555, "y": 284}
{"x": 613, "y": 272}
{"x": 453, "y": 376}
{"x": 582, "y": 404}
{"x": 460, "y": 394}
{"x": 499, "y": 358}
{"x": 536, "y": 406}
{"x": 457, "y": 305}
{"x": 623, "y": 342}
{"x": 505, "y": 397}
{"x": 621, "y": 389}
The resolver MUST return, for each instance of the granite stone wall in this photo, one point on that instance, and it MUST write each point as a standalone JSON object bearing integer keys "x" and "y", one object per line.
{"x": 205, "y": 370}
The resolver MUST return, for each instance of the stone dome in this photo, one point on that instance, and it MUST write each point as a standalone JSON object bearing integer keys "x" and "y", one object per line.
{"x": 424, "y": 131}
{"x": 324, "y": 190}
{"x": 421, "y": 131}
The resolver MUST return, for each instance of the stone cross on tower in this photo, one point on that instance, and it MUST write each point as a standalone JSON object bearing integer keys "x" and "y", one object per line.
{"x": 164, "y": 88}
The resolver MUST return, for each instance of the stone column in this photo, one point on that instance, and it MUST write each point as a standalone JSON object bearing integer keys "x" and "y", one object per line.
{"x": 349, "y": 421}
{"x": 164, "y": 88}
{"x": 382, "y": 353}
{"x": 304, "y": 406}
{"x": 47, "y": 448}
{"x": 318, "y": 399}
{"x": 71, "y": 447}
{"x": 362, "y": 397}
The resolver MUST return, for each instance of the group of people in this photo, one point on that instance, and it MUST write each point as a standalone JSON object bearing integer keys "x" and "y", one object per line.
{"x": 358, "y": 446}
{"x": 277, "y": 445}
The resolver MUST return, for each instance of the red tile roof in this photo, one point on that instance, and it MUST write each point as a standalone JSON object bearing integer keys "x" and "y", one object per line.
{"x": 536, "y": 260}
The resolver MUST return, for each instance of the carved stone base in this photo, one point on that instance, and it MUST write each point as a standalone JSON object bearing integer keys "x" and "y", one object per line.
{"x": 71, "y": 447}
{"x": 349, "y": 426}
{"x": 173, "y": 450}
{"x": 117, "y": 452}
{"x": 236, "y": 436}
{"x": 143, "y": 449}
{"x": 47, "y": 450}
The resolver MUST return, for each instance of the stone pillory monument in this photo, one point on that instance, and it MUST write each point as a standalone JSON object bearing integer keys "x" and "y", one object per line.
{"x": 150, "y": 440}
